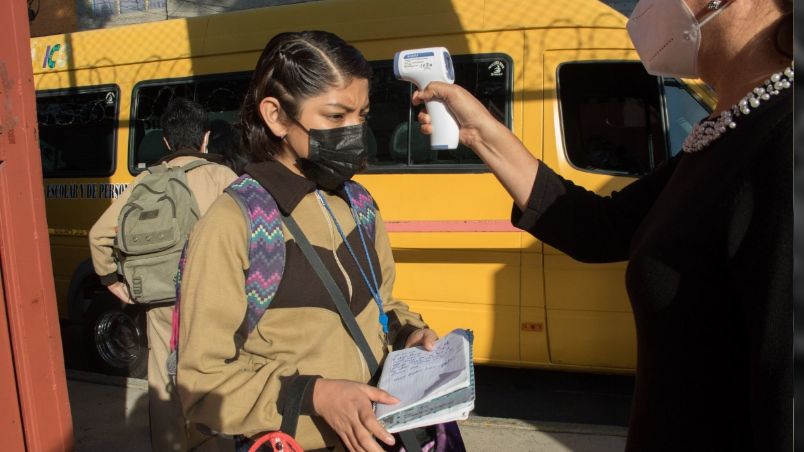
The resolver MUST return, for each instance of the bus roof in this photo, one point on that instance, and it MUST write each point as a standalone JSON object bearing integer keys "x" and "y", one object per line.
{"x": 353, "y": 20}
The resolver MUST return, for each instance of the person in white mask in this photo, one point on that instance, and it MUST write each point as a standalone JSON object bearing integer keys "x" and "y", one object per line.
{"x": 708, "y": 233}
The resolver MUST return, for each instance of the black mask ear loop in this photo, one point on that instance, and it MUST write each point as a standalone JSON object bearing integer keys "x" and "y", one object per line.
{"x": 306, "y": 130}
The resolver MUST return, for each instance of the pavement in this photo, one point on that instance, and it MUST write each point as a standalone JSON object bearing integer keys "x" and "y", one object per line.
{"x": 111, "y": 414}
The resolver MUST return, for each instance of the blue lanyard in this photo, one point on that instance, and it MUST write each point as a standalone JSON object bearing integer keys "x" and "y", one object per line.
{"x": 373, "y": 288}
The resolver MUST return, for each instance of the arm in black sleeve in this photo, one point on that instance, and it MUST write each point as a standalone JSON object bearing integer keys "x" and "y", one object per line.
{"x": 586, "y": 226}
{"x": 761, "y": 249}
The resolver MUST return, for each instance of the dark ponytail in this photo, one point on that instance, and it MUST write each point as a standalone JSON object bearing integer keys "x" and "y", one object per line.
{"x": 293, "y": 67}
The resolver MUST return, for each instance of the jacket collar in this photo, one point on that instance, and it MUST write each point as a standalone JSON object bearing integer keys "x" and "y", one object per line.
{"x": 286, "y": 187}
{"x": 215, "y": 158}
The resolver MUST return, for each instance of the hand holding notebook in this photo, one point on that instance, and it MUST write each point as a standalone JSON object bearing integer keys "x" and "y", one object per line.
{"x": 432, "y": 387}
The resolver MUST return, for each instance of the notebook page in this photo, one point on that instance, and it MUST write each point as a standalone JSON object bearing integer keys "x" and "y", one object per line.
{"x": 414, "y": 375}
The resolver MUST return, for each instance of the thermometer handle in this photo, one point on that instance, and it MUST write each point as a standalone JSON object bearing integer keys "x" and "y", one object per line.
{"x": 445, "y": 127}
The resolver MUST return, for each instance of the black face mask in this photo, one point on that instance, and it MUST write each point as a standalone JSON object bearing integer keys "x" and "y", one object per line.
{"x": 335, "y": 155}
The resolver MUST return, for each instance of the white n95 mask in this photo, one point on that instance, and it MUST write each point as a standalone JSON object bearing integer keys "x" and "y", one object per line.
{"x": 667, "y": 35}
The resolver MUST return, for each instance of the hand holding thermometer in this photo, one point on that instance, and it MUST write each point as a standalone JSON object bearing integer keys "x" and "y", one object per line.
{"x": 420, "y": 67}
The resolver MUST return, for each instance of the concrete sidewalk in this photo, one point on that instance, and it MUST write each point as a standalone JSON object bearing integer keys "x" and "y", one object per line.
{"x": 111, "y": 414}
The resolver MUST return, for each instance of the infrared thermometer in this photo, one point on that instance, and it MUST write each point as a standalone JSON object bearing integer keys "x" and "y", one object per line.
{"x": 420, "y": 67}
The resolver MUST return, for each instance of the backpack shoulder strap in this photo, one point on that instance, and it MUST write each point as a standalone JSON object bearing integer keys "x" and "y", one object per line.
{"x": 266, "y": 245}
{"x": 155, "y": 169}
{"x": 187, "y": 167}
{"x": 172, "y": 360}
{"x": 364, "y": 207}
{"x": 266, "y": 254}
{"x": 174, "y": 333}
{"x": 194, "y": 164}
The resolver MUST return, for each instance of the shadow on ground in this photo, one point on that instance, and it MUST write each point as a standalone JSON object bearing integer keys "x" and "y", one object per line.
{"x": 550, "y": 396}
{"x": 108, "y": 417}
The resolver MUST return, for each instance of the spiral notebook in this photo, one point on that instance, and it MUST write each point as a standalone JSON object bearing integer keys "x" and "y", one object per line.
{"x": 432, "y": 387}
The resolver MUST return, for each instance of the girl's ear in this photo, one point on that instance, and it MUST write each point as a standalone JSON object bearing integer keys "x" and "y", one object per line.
{"x": 271, "y": 112}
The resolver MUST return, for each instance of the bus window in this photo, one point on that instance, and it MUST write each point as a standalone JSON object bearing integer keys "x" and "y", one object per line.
{"x": 77, "y": 131}
{"x": 147, "y": 146}
{"x": 613, "y": 125}
{"x": 222, "y": 98}
{"x": 395, "y": 141}
{"x": 389, "y": 114}
{"x": 221, "y": 95}
{"x": 683, "y": 111}
{"x": 490, "y": 80}
{"x": 397, "y": 145}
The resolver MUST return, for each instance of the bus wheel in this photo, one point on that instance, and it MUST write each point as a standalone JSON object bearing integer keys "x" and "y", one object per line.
{"x": 117, "y": 338}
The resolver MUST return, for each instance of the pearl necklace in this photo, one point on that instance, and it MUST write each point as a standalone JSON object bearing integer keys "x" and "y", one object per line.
{"x": 710, "y": 130}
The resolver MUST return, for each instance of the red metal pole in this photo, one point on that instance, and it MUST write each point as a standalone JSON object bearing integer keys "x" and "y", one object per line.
{"x": 27, "y": 278}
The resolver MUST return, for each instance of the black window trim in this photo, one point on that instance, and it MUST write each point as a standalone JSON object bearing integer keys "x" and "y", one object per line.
{"x": 223, "y": 76}
{"x": 689, "y": 91}
{"x": 45, "y": 93}
{"x": 563, "y": 142}
{"x": 451, "y": 168}
{"x": 663, "y": 81}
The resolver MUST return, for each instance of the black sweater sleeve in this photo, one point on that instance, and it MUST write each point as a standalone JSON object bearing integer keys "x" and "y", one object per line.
{"x": 586, "y": 226}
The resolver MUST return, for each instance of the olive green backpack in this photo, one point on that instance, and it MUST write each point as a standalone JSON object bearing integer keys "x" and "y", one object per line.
{"x": 152, "y": 228}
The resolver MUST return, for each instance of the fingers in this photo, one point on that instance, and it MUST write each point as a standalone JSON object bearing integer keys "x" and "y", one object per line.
{"x": 360, "y": 435}
{"x": 414, "y": 339}
{"x": 429, "y": 339}
{"x": 363, "y": 441}
{"x": 417, "y": 99}
{"x": 348, "y": 440}
{"x": 424, "y": 118}
{"x": 125, "y": 294}
{"x": 434, "y": 90}
{"x": 121, "y": 292}
{"x": 346, "y": 407}
{"x": 376, "y": 429}
{"x": 380, "y": 396}
{"x": 355, "y": 437}
{"x": 424, "y": 337}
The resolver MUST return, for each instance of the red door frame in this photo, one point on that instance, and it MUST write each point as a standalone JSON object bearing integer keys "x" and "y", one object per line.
{"x": 30, "y": 322}
{"x": 11, "y": 418}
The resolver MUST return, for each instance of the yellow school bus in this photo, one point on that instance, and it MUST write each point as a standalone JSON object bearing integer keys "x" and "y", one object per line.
{"x": 562, "y": 76}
